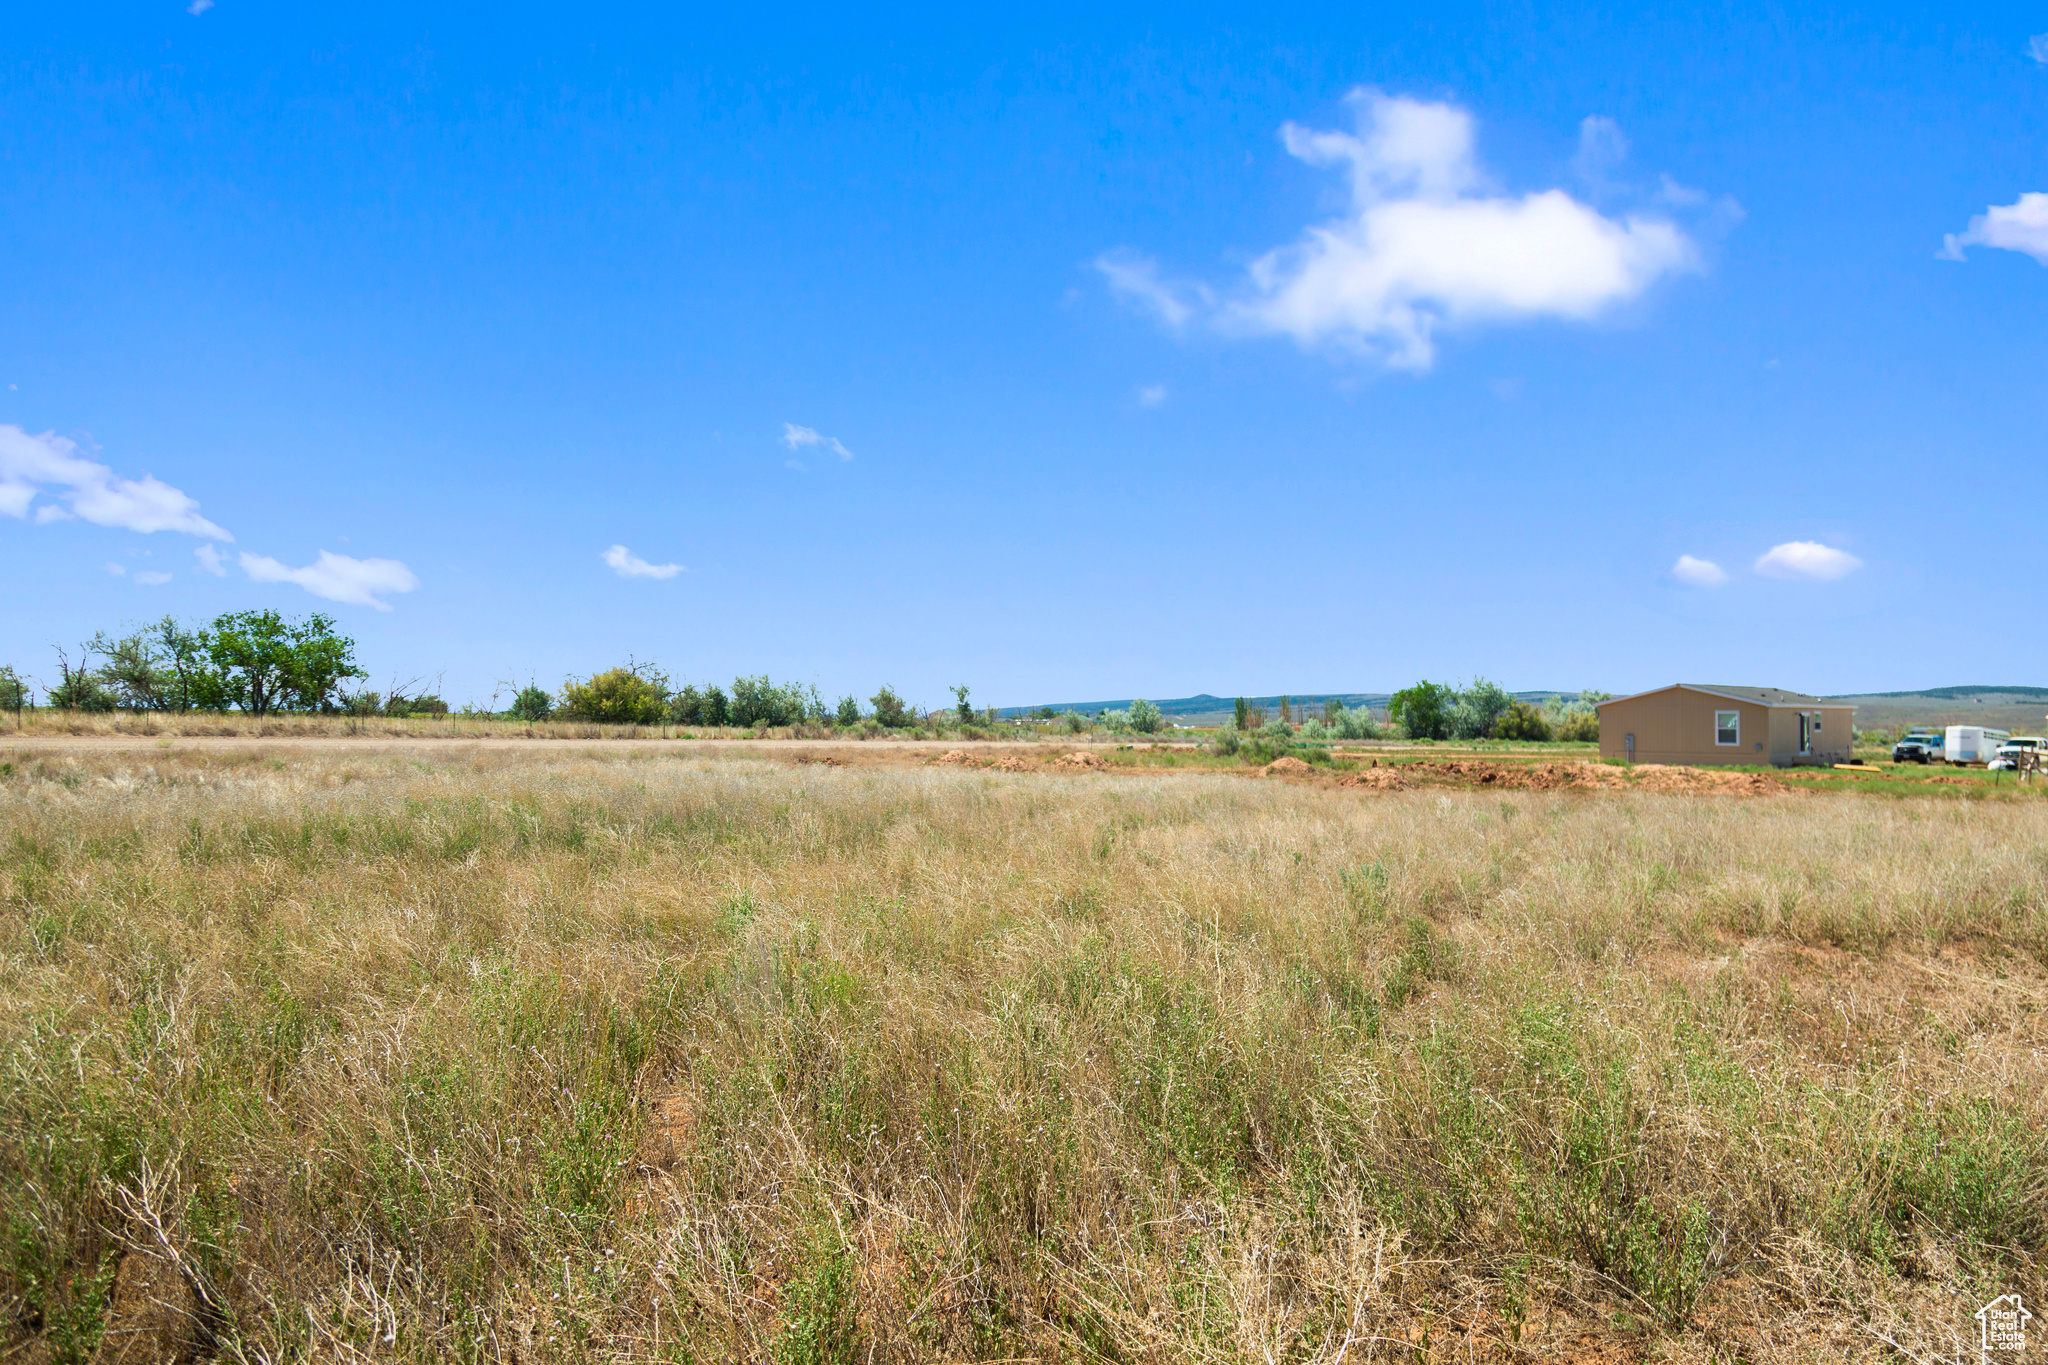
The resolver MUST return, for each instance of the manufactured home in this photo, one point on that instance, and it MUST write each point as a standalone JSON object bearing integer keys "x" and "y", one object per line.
{"x": 1707, "y": 723}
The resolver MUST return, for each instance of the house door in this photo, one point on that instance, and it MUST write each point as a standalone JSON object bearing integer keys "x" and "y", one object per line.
{"x": 1805, "y": 733}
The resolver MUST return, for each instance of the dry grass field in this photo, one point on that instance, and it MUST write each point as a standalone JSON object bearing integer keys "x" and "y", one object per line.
{"x": 536, "y": 1054}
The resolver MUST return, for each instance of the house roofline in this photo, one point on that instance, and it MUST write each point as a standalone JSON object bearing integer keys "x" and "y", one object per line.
{"x": 1731, "y": 696}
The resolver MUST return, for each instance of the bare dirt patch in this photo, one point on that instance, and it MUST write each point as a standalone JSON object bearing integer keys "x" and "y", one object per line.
{"x": 1481, "y": 775}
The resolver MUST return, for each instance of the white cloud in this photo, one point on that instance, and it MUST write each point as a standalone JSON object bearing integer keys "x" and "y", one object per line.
{"x": 198, "y": 7}
{"x": 796, "y": 438}
{"x": 1425, "y": 244}
{"x": 1698, "y": 573}
{"x": 50, "y": 465}
{"x": 117, "y": 570}
{"x": 152, "y": 577}
{"x": 1151, "y": 395}
{"x": 1135, "y": 279}
{"x": 1807, "y": 559}
{"x": 2019, "y": 226}
{"x": 210, "y": 561}
{"x": 626, "y": 564}
{"x": 337, "y": 578}
{"x": 2037, "y": 48}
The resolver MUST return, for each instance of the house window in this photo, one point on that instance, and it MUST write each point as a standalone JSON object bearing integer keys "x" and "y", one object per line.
{"x": 1727, "y": 727}
{"x": 1816, "y": 722}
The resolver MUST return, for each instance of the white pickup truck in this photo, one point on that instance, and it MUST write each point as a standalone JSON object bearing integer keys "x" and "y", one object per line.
{"x": 2008, "y": 756}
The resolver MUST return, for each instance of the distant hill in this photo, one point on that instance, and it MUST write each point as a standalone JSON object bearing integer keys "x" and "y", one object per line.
{"x": 1203, "y": 709}
{"x": 1987, "y": 694}
{"x": 2022, "y": 710}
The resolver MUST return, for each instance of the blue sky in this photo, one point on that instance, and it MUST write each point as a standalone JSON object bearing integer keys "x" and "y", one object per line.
{"x": 1064, "y": 355}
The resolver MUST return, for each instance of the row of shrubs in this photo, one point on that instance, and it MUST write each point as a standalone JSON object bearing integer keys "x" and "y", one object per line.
{"x": 640, "y": 694}
{"x": 1485, "y": 710}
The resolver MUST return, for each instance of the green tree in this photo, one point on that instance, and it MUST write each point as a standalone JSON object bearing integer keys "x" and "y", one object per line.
{"x": 849, "y": 712}
{"x": 617, "y": 696}
{"x": 717, "y": 710}
{"x": 134, "y": 671}
{"x": 1473, "y": 712}
{"x": 268, "y": 663}
{"x": 1423, "y": 710}
{"x": 687, "y": 706}
{"x": 966, "y": 712}
{"x": 195, "y": 685}
{"x": 1146, "y": 718}
{"x": 1241, "y": 717}
{"x": 756, "y": 701}
{"x": 532, "y": 704}
{"x": 13, "y": 691}
{"x": 1047, "y": 713}
{"x": 1521, "y": 721}
{"x": 890, "y": 708}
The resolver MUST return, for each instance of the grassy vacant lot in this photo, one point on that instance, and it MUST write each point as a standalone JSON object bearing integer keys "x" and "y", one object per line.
{"x": 531, "y": 1055}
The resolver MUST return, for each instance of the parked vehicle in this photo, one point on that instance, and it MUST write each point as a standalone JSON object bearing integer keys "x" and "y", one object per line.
{"x": 2008, "y": 756}
{"x": 1968, "y": 745}
{"x": 1916, "y": 749}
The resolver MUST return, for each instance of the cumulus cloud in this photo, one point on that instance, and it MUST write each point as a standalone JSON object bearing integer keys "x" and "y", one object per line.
{"x": 210, "y": 561}
{"x": 1427, "y": 243}
{"x": 626, "y": 564}
{"x": 2018, "y": 226}
{"x": 117, "y": 570}
{"x": 1698, "y": 573}
{"x": 2037, "y": 48}
{"x": 796, "y": 438}
{"x": 1807, "y": 559}
{"x": 152, "y": 577}
{"x": 1151, "y": 395}
{"x": 198, "y": 7}
{"x": 50, "y": 465}
{"x": 338, "y": 578}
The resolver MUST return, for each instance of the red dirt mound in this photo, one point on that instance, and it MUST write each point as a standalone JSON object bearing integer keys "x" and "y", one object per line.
{"x": 1078, "y": 759}
{"x": 1290, "y": 766}
{"x": 1475, "y": 773}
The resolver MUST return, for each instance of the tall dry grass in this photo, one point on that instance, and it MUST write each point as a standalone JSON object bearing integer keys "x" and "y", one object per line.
{"x": 516, "y": 1056}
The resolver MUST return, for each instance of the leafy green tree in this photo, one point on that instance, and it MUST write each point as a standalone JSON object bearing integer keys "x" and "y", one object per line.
{"x": 533, "y": 704}
{"x": 1521, "y": 721}
{"x": 1077, "y": 724}
{"x": 756, "y": 701}
{"x": 1473, "y": 713}
{"x": 13, "y": 691}
{"x": 1423, "y": 710}
{"x": 195, "y": 684}
{"x": 1146, "y": 718}
{"x": 1241, "y": 717}
{"x": 268, "y": 663}
{"x": 890, "y": 708}
{"x": 686, "y": 707}
{"x": 617, "y": 696}
{"x": 965, "y": 712}
{"x": 849, "y": 712}
{"x": 134, "y": 671}
{"x": 1047, "y": 713}
{"x": 717, "y": 710}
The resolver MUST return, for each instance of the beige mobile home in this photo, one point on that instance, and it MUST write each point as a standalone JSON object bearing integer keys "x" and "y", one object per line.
{"x": 1706, "y": 723}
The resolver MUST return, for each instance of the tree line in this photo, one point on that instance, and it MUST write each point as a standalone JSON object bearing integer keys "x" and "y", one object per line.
{"x": 1485, "y": 710}
{"x": 255, "y": 661}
